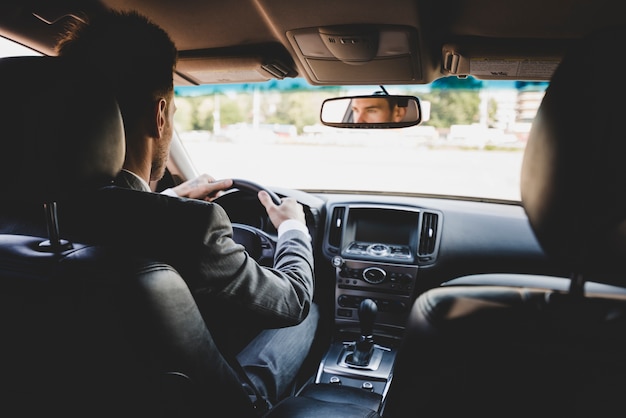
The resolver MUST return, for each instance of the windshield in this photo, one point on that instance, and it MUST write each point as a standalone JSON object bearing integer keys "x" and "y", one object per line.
{"x": 470, "y": 142}
{"x": 9, "y": 48}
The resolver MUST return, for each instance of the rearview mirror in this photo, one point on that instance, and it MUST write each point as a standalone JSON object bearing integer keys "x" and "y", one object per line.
{"x": 374, "y": 111}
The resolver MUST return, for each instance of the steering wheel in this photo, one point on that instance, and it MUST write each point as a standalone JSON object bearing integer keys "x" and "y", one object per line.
{"x": 250, "y": 186}
{"x": 260, "y": 245}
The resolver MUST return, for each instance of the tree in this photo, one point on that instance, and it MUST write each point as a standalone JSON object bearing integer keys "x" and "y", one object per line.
{"x": 453, "y": 101}
{"x": 293, "y": 108}
{"x": 194, "y": 113}
{"x": 456, "y": 107}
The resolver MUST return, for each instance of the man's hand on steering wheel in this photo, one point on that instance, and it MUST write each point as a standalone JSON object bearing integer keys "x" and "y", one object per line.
{"x": 288, "y": 209}
{"x": 285, "y": 214}
{"x": 203, "y": 187}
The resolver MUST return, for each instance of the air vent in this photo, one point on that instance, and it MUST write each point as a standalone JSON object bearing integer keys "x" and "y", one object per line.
{"x": 336, "y": 226}
{"x": 428, "y": 234}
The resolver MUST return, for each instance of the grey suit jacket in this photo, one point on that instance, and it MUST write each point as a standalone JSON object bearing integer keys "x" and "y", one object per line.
{"x": 195, "y": 237}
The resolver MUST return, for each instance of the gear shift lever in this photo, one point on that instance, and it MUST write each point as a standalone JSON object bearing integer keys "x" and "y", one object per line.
{"x": 364, "y": 346}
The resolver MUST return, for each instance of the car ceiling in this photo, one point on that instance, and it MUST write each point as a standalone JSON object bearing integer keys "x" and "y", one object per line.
{"x": 256, "y": 40}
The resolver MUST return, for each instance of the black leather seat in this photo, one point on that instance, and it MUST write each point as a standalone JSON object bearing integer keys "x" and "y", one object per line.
{"x": 92, "y": 332}
{"x": 87, "y": 330}
{"x": 327, "y": 400}
{"x": 504, "y": 345}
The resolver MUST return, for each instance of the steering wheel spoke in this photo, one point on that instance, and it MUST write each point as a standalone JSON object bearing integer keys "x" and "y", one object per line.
{"x": 259, "y": 244}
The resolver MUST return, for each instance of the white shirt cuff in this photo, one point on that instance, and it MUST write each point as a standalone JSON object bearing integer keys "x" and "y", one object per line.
{"x": 290, "y": 224}
{"x": 169, "y": 192}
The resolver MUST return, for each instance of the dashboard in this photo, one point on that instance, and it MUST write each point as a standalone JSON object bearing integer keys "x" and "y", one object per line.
{"x": 376, "y": 250}
{"x": 392, "y": 248}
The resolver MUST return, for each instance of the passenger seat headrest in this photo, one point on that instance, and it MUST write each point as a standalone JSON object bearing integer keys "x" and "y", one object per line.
{"x": 62, "y": 131}
{"x": 573, "y": 180}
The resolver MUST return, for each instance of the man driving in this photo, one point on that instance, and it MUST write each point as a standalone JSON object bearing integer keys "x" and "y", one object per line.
{"x": 268, "y": 316}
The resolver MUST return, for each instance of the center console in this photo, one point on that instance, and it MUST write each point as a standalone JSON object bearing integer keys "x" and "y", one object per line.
{"x": 361, "y": 362}
{"x": 376, "y": 251}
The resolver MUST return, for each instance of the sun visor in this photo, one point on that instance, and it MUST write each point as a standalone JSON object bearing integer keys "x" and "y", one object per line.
{"x": 358, "y": 54}
{"x": 252, "y": 64}
{"x": 488, "y": 61}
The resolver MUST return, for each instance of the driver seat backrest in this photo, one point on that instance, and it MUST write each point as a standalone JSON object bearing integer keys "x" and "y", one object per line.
{"x": 87, "y": 330}
{"x": 528, "y": 346}
{"x": 91, "y": 331}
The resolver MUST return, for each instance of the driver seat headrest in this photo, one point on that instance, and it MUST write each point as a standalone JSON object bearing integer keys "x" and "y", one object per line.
{"x": 573, "y": 180}
{"x": 63, "y": 130}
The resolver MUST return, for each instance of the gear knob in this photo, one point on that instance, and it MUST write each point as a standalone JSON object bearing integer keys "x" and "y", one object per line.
{"x": 367, "y": 316}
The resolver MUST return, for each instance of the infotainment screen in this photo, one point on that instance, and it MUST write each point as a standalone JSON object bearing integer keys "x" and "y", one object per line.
{"x": 386, "y": 226}
{"x": 381, "y": 233}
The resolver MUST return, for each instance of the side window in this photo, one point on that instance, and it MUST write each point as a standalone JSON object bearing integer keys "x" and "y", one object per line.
{"x": 9, "y": 48}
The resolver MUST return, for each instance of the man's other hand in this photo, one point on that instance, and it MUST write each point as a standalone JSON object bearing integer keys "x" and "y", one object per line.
{"x": 288, "y": 209}
{"x": 203, "y": 187}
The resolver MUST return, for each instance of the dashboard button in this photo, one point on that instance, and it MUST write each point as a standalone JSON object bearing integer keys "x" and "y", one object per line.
{"x": 380, "y": 250}
{"x": 334, "y": 380}
{"x": 374, "y": 275}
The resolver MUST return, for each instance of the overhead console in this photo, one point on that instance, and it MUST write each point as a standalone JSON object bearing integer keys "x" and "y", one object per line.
{"x": 352, "y": 54}
{"x": 377, "y": 251}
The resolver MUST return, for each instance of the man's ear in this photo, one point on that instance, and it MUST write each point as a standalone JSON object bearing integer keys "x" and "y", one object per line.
{"x": 399, "y": 113}
{"x": 160, "y": 117}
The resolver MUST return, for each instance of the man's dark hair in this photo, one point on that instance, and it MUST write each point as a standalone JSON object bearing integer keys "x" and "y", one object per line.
{"x": 396, "y": 101}
{"x": 136, "y": 56}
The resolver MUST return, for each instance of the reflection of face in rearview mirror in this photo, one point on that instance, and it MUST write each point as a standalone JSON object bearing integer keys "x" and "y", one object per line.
{"x": 377, "y": 111}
